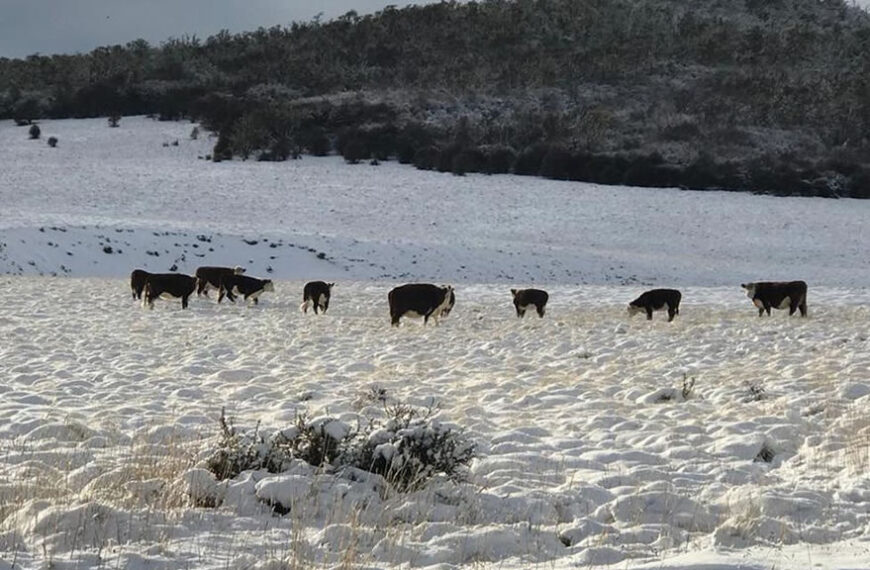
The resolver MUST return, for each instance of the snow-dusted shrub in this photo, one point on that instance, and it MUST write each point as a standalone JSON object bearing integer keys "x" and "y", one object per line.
{"x": 427, "y": 158}
{"x": 34, "y": 131}
{"x": 114, "y": 119}
{"x": 409, "y": 448}
{"x": 52, "y": 142}
{"x": 237, "y": 452}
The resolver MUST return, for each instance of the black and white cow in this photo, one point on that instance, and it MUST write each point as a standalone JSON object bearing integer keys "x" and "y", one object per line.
{"x": 137, "y": 282}
{"x": 420, "y": 300}
{"x": 248, "y": 287}
{"x": 655, "y": 300}
{"x": 168, "y": 285}
{"x": 778, "y": 295}
{"x": 525, "y": 297}
{"x": 208, "y": 277}
{"x": 316, "y": 293}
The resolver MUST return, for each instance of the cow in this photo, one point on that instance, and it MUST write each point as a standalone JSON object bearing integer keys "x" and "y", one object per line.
{"x": 420, "y": 300}
{"x": 525, "y": 297}
{"x": 207, "y": 277}
{"x": 137, "y": 282}
{"x": 249, "y": 287}
{"x": 316, "y": 293}
{"x": 778, "y": 295}
{"x": 655, "y": 300}
{"x": 168, "y": 285}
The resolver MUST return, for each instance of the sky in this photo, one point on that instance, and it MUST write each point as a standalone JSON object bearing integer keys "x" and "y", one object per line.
{"x": 70, "y": 26}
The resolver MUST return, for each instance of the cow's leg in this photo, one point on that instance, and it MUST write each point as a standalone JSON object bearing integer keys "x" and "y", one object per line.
{"x": 803, "y": 307}
{"x": 394, "y": 318}
{"x": 761, "y": 311}
{"x": 184, "y": 301}
{"x": 671, "y": 313}
{"x": 541, "y": 311}
{"x": 519, "y": 312}
{"x": 649, "y": 313}
{"x": 767, "y": 308}
{"x": 316, "y": 308}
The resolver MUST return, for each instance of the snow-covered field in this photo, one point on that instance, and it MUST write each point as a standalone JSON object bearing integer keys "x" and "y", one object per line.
{"x": 589, "y": 454}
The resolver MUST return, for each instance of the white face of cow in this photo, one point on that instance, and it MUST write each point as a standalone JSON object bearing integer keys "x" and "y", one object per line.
{"x": 268, "y": 286}
{"x": 238, "y": 270}
{"x": 750, "y": 289}
{"x": 632, "y": 310}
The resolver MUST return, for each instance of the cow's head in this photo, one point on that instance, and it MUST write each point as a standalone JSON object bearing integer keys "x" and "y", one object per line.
{"x": 267, "y": 285}
{"x": 449, "y": 300}
{"x": 330, "y": 286}
{"x": 238, "y": 270}
{"x": 750, "y": 289}
{"x": 634, "y": 309}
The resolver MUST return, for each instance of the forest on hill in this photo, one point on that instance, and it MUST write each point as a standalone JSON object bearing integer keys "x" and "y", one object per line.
{"x": 761, "y": 95}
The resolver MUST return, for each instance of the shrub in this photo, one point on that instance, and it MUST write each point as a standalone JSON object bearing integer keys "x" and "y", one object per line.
{"x": 194, "y": 133}
{"x": 557, "y": 163}
{"x": 858, "y": 185}
{"x": 529, "y": 160}
{"x": 499, "y": 159}
{"x": 34, "y": 132}
{"x": 427, "y": 158}
{"x": 407, "y": 448}
{"x": 52, "y": 142}
{"x": 114, "y": 119}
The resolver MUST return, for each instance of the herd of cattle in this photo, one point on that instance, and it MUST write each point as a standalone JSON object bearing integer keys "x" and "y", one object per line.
{"x": 424, "y": 299}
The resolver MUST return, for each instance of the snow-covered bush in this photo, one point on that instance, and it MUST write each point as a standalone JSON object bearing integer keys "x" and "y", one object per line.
{"x": 407, "y": 447}
{"x": 52, "y": 142}
{"x": 34, "y": 131}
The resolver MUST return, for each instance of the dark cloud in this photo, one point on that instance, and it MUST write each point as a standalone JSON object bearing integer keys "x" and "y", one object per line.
{"x": 69, "y": 26}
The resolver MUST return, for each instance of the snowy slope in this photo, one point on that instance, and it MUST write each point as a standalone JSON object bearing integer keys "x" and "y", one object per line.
{"x": 589, "y": 454}
{"x": 119, "y": 187}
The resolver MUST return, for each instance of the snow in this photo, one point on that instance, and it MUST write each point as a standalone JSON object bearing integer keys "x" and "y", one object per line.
{"x": 590, "y": 451}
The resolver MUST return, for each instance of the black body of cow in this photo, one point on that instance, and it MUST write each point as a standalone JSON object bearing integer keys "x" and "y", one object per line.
{"x": 207, "y": 277}
{"x": 778, "y": 295}
{"x": 655, "y": 300}
{"x": 248, "y": 287}
{"x": 420, "y": 300}
{"x": 137, "y": 282}
{"x": 316, "y": 293}
{"x": 169, "y": 285}
{"x": 525, "y": 297}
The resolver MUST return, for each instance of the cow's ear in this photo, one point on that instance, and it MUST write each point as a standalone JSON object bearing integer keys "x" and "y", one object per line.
{"x": 514, "y": 292}
{"x": 745, "y": 285}
{"x": 330, "y": 285}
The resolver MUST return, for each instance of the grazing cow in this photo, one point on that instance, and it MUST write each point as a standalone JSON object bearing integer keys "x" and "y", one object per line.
{"x": 655, "y": 300}
{"x": 248, "y": 287}
{"x": 525, "y": 297}
{"x": 207, "y": 277}
{"x": 778, "y": 295}
{"x": 168, "y": 285}
{"x": 137, "y": 282}
{"x": 420, "y": 300}
{"x": 316, "y": 293}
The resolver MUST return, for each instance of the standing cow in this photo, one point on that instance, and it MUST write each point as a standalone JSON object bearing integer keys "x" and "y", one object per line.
{"x": 420, "y": 300}
{"x": 168, "y": 285}
{"x": 778, "y": 295}
{"x": 656, "y": 300}
{"x": 208, "y": 277}
{"x": 523, "y": 298}
{"x": 316, "y": 293}
{"x": 248, "y": 287}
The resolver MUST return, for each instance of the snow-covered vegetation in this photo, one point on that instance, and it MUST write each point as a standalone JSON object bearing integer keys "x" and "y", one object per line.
{"x": 588, "y": 439}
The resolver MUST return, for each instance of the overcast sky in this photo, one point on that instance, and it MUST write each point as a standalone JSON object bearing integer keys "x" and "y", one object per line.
{"x": 70, "y": 26}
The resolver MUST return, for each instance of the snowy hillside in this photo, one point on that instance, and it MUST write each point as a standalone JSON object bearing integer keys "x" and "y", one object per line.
{"x": 158, "y": 207}
{"x": 720, "y": 441}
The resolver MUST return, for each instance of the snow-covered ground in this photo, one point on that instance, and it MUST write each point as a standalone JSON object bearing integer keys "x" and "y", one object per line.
{"x": 589, "y": 454}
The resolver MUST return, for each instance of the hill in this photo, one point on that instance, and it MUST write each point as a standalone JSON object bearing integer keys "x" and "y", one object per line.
{"x": 737, "y": 94}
